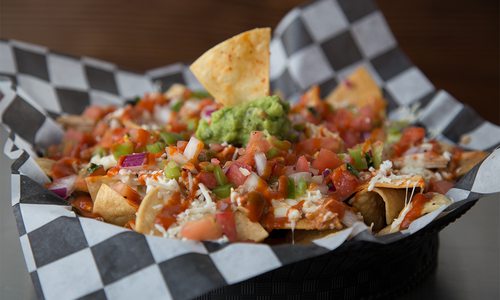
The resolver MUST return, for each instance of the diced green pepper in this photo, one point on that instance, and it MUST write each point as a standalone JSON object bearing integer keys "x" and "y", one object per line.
{"x": 91, "y": 169}
{"x": 290, "y": 189}
{"x": 99, "y": 151}
{"x": 369, "y": 160}
{"x": 377, "y": 150}
{"x": 222, "y": 191}
{"x": 301, "y": 187}
{"x": 192, "y": 124}
{"x": 157, "y": 147}
{"x": 359, "y": 161}
{"x": 172, "y": 170}
{"x": 282, "y": 145}
{"x": 123, "y": 149}
{"x": 272, "y": 153}
{"x": 220, "y": 176}
{"x": 200, "y": 94}
{"x": 177, "y": 105}
{"x": 170, "y": 138}
{"x": 352, "y": 169}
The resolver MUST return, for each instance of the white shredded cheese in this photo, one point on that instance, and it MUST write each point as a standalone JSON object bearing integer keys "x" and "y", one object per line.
{"x": 447, "y": 155}
{"x": 205, "y": 192}
{"x": 161, "y": 181}
{"x": 107, "y": 162}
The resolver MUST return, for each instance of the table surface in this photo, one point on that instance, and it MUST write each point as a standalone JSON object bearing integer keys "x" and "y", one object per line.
{"x": 468, "y": 268}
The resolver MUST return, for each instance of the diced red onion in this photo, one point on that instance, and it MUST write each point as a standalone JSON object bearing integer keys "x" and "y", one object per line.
{"x": 313, "y": 171}
{"x": 331, "y": 187}
{"x": 208, "y": 110}
{"x": 326, "y": 173}
{"x": 260, "y": 162}
{"x": 318, "y": 179}
{"x": 251, "y": 182}
{"x": 215, "y": 161}
{"x": 134, "y": 160}
{"x": 61, "y": 192}
{"x": 323, "y": 188}
{"x": 63, "y": 187}
{"x": 193, "y": 148}
{"x": 366, "y": 135}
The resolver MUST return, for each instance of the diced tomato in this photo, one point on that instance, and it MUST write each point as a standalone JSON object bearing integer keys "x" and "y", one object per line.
{"x": 63, "y": 167}
{"x": 326, "y": 160}
{"x": 302, "y": 164}
{"x": 75, "y": 141}
{"x": 411, "y": 137}
{"x": 204, "y": 229}
{"x": 100, "y": 129}
{"x": 234, "y": 174}
{"x": 313, "y": 145}
{"x": 344, "y": 181}
{"x": 112, "y": 137}
{"x": 256, "y": 143}
{"x": 226, "y": 220}
{"x": 96, "y": 113}
{"x": 336, "y": 206}
{"x": 208, "y": 179}
{"x": 140, "y": 138}
{"x": 132, "y": 196}
{"x": 440, "y": 186}
{"x": 83, "y": 205}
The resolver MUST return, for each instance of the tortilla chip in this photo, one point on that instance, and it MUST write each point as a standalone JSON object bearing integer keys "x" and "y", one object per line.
{"x": 248, "y": 230}
{"x": 150, "y": 206}
{"x": 436, "y": 202}
{"x": 380, "y": 206}
{"x": 426, "y": 160}
{"x": 407, "y": 182}
{"x": 113, "y": 207}
{"x": 94, "y": 184}
{"x": 468, "y": 160}
{"x": 76, "y": 121}
{"x": 236, "y": 70}
{"x": 359, "y": 89}
{"x": 46, "y": 165}
{"x": 308, "y": 236}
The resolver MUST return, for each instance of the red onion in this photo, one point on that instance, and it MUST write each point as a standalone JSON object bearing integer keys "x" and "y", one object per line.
{"x": 63, "y": 187}
{"x": 134, "y": 160}
{"x": 208, "y": 110}
{"x": 326, "y": 173}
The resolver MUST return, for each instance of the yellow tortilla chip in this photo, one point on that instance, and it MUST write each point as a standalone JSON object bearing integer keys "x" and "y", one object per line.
{"x": 468, "y": 160}
{"x": 113, "y": 207}
{"x": 379, "y": 206}
{"x": 307, "y": 236}
{"x": 248, "y": 230}
{"x": 433, "y": 204}
{"x": 236, "y": 70}
{"x": 359, "y": 89}
{"x": 94, "y": 184}
{"x": 150, "y": 207}
{"x": 46, "y": 165}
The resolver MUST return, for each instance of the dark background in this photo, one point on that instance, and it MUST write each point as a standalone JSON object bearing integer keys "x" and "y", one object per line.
{"x": 454, "y": 42}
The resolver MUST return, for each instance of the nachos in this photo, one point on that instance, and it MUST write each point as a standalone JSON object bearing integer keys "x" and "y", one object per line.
{"x": 238, "y": 163}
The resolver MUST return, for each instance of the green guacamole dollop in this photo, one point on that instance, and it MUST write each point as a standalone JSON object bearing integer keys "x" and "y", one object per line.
{"x": 234, "y": 124}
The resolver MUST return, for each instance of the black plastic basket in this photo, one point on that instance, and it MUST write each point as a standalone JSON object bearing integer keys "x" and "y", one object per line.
{"x": 357, "y": 269}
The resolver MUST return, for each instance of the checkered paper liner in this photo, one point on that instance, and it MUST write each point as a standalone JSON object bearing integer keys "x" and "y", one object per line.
{"x": 69, "y": 256}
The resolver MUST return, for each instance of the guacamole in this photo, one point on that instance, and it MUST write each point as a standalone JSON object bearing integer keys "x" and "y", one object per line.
{"x": 234, "y": 124}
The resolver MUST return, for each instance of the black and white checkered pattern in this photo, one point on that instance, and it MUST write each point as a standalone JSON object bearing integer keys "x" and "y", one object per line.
{"x": 320, "y": 43}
